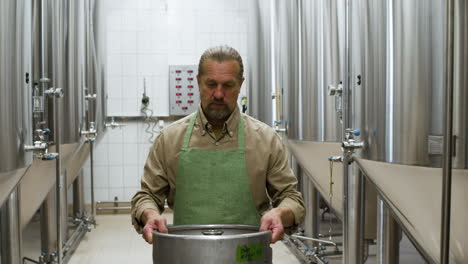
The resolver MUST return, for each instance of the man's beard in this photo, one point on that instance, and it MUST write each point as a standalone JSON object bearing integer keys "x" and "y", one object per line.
{"x": 218, "y": 114}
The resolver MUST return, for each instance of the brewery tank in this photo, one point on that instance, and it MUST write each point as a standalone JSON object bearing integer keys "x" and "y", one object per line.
{"x": 397, "y": 87}
{"x": 15, "y": 92}
{"x": 259, "y": 66}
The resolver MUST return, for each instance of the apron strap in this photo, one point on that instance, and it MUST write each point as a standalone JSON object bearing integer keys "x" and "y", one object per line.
{"x": 188, "y": 133}
{"x": 240, "y": 133}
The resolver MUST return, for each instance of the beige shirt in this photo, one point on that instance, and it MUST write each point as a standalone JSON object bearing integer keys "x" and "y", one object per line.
{"x": 271, "y": 179}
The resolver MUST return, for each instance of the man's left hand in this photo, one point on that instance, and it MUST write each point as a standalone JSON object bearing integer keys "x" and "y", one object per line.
{"x": 272, "y": 220}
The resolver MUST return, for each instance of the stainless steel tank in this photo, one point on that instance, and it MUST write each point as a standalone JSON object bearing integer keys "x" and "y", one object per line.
{"x": 322, "y": 56}
{"x": 212, "y": 244}
{"x": 95, "y": 65}
{"x": 398, "y": 82}
{"x": 286, "y": 70}
{"x": 259, "y": 66}
{"x": 399, "y": 100}
{"x": 15, "y": 91}
{"x": 65, "y": 56}
{"x": 460, "y": 86}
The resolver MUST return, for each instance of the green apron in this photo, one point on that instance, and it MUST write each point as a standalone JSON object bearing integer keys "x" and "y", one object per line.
{"x": 212, "y": 185}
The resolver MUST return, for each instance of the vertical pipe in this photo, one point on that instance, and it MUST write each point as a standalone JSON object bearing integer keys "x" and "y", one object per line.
{"x": 78, "y": 196}
{"x": 311, "y": 223}
{"x": 10, "y": 229}
{"x": 353, "y": 192}
{"x": 314, "y": 211}
{"x": 346, "y": 124}
{"x": 388, "y": 236}
{"x": 93, "y": 203}
{"x": 58, "y": 179}
{"x": 43, "y": 43}
{"x": 48, "y": 234}
{"x": 447, "y": 163}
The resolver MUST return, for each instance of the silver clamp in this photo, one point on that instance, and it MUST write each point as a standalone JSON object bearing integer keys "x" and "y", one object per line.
{"x": 113, "y": 124}
{"x": 44, "y": 80}
{"x": 40, "y": 146}
{"x": 280, "y": 126}
{"x": 350, "y": 144}
{"x": 54, "y": 92}
{"x": 337, "y": 92}
{"x": 91, "y": 133}
{"x": 91, "y": 97}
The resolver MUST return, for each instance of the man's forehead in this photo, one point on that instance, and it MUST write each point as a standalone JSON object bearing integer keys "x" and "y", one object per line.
{"x": 208, "y": 79}
{"x": 211, "y": 64}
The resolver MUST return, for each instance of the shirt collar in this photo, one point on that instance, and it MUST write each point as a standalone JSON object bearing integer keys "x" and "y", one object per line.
{"x": 229, "y": 126}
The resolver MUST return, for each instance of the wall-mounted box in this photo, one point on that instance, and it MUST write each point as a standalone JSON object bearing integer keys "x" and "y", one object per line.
{"x": 183, "y": 89}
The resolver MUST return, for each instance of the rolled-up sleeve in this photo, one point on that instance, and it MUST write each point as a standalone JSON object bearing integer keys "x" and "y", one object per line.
{"x": 154, "y": 185}
{"x": 281, "y": 182}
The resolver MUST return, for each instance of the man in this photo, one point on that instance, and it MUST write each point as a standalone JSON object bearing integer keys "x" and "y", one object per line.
{"x": 218, "y": 166}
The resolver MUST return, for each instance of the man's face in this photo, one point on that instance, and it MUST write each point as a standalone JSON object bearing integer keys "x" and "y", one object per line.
{"x": 219, "y": 88}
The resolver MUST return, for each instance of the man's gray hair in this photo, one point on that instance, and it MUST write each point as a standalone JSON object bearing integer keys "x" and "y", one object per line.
{"x": 220, "y": 54}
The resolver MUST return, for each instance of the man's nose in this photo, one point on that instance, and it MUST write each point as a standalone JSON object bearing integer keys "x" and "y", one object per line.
{"x": 218, "y": 92}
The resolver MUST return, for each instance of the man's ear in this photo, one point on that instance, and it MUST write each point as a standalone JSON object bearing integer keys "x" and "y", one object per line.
{"x": 241, "y": 82}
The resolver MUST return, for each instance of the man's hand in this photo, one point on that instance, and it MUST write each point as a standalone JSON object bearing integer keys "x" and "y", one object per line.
{"x": 275, "y": 220}
{"x": 152, "y": 221}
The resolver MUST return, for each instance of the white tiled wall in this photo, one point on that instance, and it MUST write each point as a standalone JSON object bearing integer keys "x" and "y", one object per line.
{"x": 144, "y": 37}
{"x": 119, "y": 159}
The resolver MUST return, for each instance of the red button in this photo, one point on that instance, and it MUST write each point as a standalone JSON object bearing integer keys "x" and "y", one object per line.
{"x": 178, "y": 86}
{"x": 190, "y": 71}
{"x": 184, "y": 108}
{"x": 178, "y": 94}
{"x": 190, "y": 101}
{"x": 190, "y": 94}
{"x": 178, "y": 71}
{"x": 190, "y": 79}
{"x": 178, "y": 102}
{"x": 178, "y": 79}
{"x": 190, "y": 86}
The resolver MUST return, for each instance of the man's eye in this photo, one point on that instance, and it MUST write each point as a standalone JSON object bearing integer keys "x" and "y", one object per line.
{"x": 228, "y": 85}
{"x": 211, "y": 84}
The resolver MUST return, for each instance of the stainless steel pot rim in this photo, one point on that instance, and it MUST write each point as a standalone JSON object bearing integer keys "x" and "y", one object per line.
{"x": 211, "y": 227}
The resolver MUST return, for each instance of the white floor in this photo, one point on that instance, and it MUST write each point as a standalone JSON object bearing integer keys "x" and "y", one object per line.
{"x": 115, "y": 241}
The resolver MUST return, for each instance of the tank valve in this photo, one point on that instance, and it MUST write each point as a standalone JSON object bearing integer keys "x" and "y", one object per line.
{"x": 335, "y": 158}
{"x": 49, "y": 156}
{"x": 114, "y": 124}
{"x": 90, "y": 97}
{"x": 40, "y": 146}
{"x": 281, "y": 126}
{"x": 54, "y": 92}
{"x": 91, "y": 133}
{"x": 350, "y": 144}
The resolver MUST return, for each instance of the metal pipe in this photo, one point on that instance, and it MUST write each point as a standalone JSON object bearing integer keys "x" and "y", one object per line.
{"x": 48, "y": 235}
{"x": 352, "y": 182}
{"x": 447, "y": 163}
{"x": 91, "y": 158}
{"x": 388, "y": 235}
{"x": 311, "y": 196}
{"x": 78, "y": 196}
{"x": 58, "y": 179}
{"x": 76, "y": 235}
{"x": 10, "y": 230}
{"x": 115, "y": 208}
{"x": 43, "y": 43}
{"x": 315, "y": 240}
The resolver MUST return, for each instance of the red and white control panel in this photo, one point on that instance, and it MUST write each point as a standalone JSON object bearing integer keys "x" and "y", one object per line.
{"x": 183, "y": 89}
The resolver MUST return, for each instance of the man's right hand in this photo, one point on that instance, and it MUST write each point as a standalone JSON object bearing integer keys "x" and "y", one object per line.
{"x": 152, "y": 221}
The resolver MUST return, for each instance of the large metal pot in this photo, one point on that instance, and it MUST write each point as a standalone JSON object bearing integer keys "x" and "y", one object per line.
{"x": 212, "y": 244}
